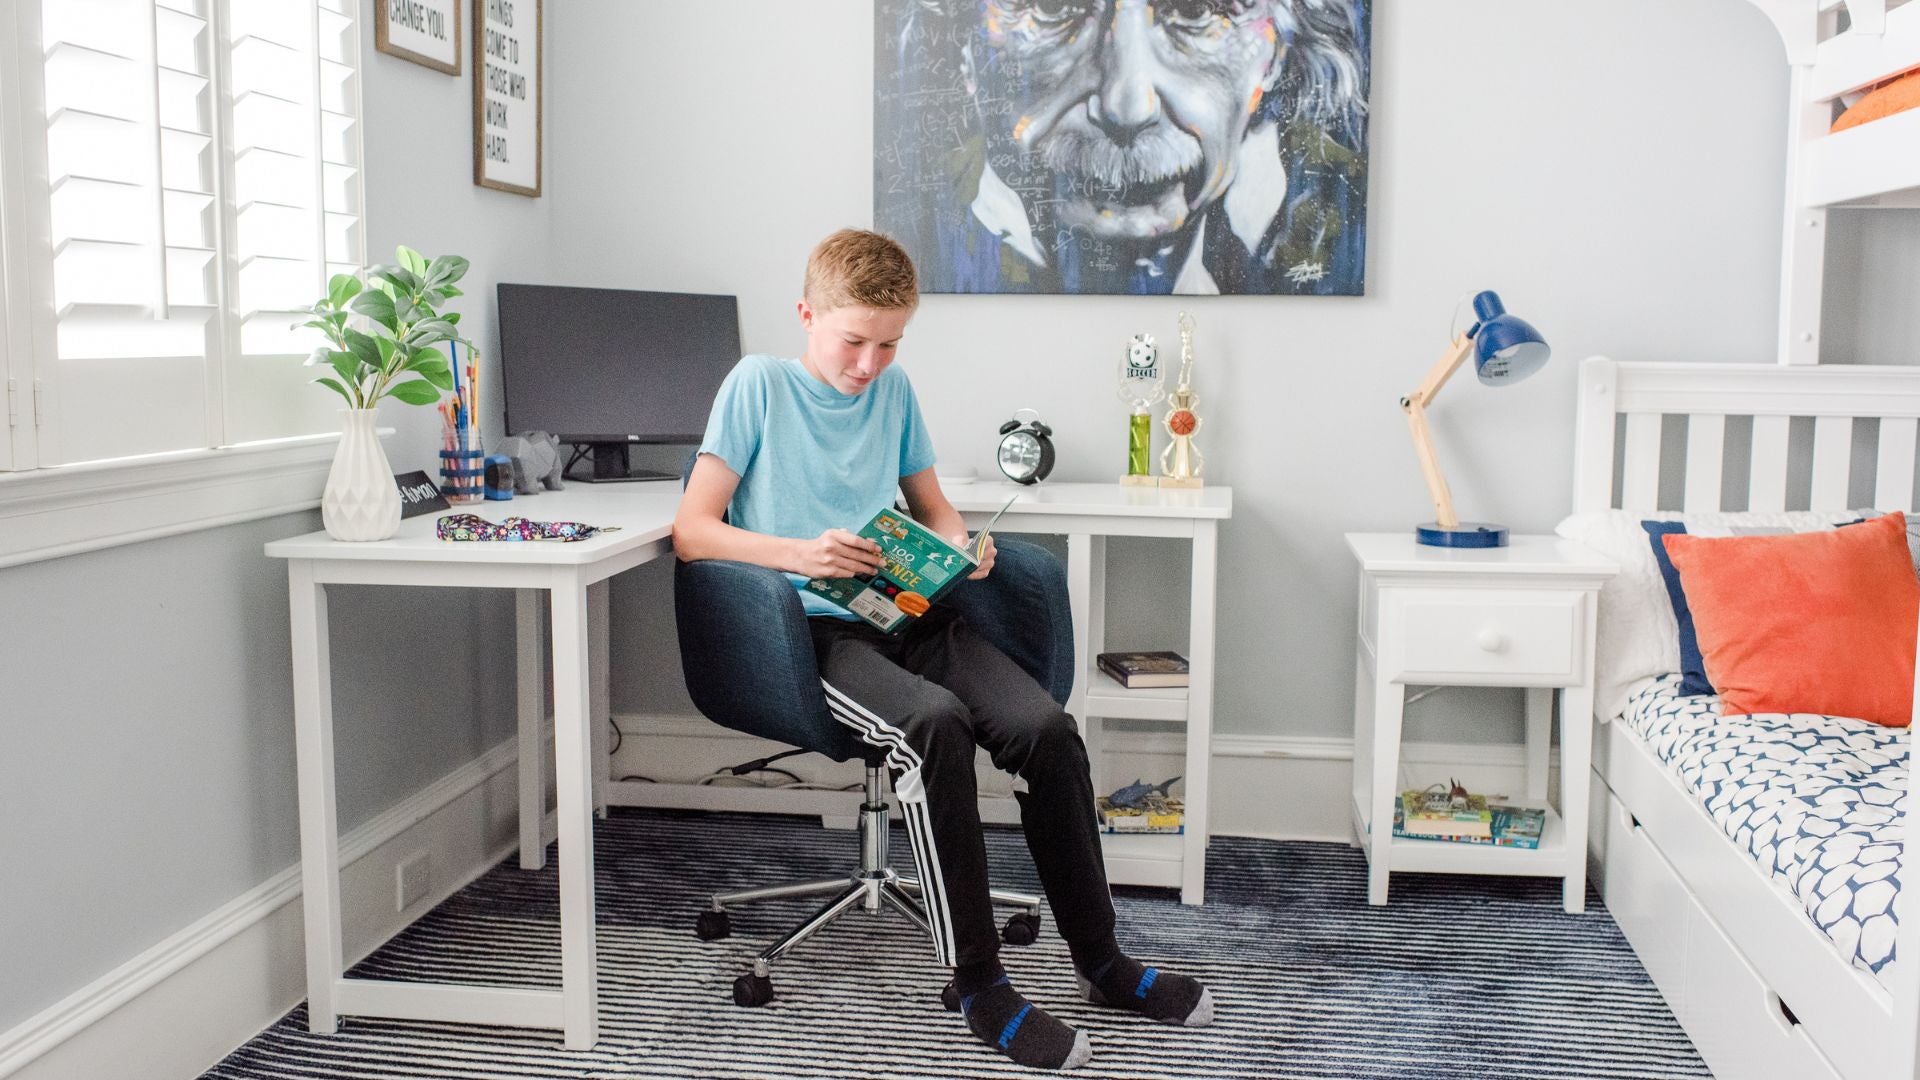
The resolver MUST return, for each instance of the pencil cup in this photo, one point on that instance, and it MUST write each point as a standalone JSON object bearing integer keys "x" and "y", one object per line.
{"x": 462, "y": 476}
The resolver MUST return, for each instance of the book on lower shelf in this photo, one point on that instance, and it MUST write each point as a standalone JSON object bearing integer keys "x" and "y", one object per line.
{"x": 1507, "y": 826}
{"x": 1423, "y": 813}
{"x": 1157, "y": 814}
{"x": 1135, "y": 670}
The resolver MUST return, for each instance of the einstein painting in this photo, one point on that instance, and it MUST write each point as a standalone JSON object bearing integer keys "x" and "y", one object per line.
{"x": 1124, "y": 146}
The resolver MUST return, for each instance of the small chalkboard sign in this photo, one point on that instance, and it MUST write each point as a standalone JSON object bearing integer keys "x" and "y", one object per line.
{"x": 418, "y": 495}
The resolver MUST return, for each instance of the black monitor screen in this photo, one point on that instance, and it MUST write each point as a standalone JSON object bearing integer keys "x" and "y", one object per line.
{"x": 614, "y": 365}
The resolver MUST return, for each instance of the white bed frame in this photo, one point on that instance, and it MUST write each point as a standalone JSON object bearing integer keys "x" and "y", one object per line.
{"x": 1759, "y": 989}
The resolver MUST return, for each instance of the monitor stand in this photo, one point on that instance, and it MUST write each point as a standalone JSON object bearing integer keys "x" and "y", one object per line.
{"x": 610, "y": 467}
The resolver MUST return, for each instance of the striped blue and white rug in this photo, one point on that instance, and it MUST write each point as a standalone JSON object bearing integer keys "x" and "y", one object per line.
{"x": 1460, "y": 977}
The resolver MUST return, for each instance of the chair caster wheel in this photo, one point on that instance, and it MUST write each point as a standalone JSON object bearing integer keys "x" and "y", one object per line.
{"x": 950, "y": 997}
{"x": 1021, "y": 929}
{"x": 752, "y": 990}
{"x": 713, "y": 925}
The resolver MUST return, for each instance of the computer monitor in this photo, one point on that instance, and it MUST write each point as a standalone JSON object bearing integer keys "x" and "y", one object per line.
{"x": 607, "y": 368}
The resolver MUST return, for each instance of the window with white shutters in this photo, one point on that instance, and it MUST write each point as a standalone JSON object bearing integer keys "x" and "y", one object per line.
{"x": 201, "y": 182}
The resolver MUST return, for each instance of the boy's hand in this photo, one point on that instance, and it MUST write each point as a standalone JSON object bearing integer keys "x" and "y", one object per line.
{"x": 986, "y": 557}
{"x": 837, "y": 553}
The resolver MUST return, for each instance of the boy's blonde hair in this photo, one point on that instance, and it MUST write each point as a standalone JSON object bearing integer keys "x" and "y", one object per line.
{"x": 860, "y": 268}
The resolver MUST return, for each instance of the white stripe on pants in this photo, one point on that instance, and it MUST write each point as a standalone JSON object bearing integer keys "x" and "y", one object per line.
{"x": 912, "y": 797}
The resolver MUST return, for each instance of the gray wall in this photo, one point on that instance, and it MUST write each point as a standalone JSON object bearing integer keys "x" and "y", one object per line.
{"x": 146, "y": 731}
{"x": 1635, "y": 215}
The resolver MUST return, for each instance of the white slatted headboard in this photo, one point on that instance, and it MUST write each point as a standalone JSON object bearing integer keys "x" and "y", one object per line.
{"x": 1834, "y": 396}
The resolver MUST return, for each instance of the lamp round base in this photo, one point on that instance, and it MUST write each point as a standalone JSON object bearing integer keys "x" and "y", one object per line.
{"x": 1468, "y": 534}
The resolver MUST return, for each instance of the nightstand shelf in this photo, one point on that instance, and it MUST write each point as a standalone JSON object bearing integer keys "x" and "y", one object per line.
{"x": 1448, "y": 857}
{"x": 1521, "y": 615}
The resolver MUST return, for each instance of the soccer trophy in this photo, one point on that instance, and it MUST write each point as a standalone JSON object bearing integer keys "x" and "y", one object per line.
{"x": 1181, "y": 461}
{"x": 1141, "y": 385}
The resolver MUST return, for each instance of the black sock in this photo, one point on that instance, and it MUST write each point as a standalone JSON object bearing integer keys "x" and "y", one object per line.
{"x": 1008, "y": 1022}
{"x": 1119, "y": 980}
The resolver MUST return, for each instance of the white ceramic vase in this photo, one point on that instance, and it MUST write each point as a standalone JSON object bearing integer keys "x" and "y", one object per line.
{"x": 360, "y": 501}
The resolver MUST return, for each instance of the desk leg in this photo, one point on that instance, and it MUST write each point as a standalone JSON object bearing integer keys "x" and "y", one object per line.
{"x": 572, "y": 740}
{"x": 319, "y": 822}
{"x": 1576, "y": 763}
{"x": 1389, "y": 709}
{"x": 599, "y": 621}
{"x": 1092, "y": 728}
{"x": 530, "y": 678}
{"x": 1539, "y": 742}
{"x": 1080, "y": 563}
{"x": 1200, "y": 648}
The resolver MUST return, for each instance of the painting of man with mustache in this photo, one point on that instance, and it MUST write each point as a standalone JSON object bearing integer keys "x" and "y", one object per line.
{"x": 1124, "y": 146}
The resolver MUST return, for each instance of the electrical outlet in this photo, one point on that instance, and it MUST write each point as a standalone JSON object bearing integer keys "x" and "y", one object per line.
{"x": 413, "y": 879}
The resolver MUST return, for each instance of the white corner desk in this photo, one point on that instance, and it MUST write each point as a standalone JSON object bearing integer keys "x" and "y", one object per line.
{"x": 574, "y": 576}
{"x": 1086, "y": 514}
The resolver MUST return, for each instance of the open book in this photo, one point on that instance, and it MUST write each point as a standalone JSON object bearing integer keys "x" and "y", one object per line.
{"x": 917, "y": 567}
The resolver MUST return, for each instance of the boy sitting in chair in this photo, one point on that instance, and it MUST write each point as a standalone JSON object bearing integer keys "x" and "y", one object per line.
{"x": 795, "y": 450}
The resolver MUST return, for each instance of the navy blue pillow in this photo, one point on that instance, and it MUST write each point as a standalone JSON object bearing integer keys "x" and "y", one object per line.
{"x": 1693, "y": 670}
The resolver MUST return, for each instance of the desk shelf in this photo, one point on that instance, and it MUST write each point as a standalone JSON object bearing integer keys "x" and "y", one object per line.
{"x": 1087, "y": 514}
{"x": 1107, "y": 698}
{"x": 1144, "y": 859}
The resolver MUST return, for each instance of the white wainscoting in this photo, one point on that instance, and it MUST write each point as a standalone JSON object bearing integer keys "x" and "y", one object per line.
{"x": 181, "y": 1006}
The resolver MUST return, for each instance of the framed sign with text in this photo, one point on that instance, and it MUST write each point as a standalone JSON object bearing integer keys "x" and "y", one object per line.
{"x": 426, "y": 32}
{"x": 507, "y": 95}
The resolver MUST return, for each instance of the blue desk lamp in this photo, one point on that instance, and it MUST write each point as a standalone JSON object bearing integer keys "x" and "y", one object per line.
{"x": 1505, "y": 350}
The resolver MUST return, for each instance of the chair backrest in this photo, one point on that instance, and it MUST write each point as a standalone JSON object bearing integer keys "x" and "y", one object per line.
{"x": 747, "y": 655}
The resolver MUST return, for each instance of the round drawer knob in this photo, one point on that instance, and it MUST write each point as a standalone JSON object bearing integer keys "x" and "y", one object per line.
{"x": 1493, "y": 640}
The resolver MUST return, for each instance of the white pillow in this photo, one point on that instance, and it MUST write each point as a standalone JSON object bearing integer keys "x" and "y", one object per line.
{"x": 1638, "y": 636}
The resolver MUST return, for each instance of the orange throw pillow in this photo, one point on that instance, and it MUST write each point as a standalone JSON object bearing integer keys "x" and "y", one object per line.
{"x": 1820, "y": 622}
{"x": 1884, "y": 100}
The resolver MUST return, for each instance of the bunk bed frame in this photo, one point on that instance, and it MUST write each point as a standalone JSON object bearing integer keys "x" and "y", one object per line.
{"x": 1761, "y": 991}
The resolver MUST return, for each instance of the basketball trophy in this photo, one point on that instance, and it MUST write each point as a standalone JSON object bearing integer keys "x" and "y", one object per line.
{"x": 1181, "y": 461}
{"x": 1141, "y": 386}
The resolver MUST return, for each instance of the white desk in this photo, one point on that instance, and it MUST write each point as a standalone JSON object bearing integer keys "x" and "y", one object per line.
{"x": 1087, "y": 514}
{"x": 574, "y": 577}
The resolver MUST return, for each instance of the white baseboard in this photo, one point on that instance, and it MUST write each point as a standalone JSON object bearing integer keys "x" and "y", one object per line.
{"x": 181, "y": 1006}
{"x": 1272, "y": 786}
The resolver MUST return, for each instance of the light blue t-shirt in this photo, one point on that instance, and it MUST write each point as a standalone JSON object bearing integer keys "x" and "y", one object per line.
{"x": 809, "y": 457}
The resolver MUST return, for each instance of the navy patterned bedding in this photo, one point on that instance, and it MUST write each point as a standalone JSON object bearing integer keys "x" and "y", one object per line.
{"x": 1819, "y": 801}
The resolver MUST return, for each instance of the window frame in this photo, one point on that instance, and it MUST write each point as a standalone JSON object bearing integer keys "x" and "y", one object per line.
{"x": 52, "y": 511}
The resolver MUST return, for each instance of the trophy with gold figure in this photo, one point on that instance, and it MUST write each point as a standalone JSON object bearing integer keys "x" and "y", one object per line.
{"x": 1181, "y": 461}
{"x": 1141, "y": 386}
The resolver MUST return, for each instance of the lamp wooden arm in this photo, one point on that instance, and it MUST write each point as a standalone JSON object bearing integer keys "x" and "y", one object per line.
{"x": 1415, "y": 406}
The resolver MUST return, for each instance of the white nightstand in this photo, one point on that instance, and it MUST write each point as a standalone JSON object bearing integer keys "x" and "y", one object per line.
{"x": 1521, "y": 615}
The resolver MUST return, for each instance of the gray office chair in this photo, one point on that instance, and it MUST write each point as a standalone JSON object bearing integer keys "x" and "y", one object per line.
{"x": 749, "y": 665}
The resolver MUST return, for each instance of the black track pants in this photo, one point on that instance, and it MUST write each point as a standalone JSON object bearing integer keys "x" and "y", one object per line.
{"x": 929, "y": 696}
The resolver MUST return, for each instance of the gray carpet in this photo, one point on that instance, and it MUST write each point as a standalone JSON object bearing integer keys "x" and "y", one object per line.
{"x": 1460, "y": 977}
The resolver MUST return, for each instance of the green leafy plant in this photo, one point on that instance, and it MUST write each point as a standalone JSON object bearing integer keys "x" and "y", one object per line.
{"x": 396, "y": 355}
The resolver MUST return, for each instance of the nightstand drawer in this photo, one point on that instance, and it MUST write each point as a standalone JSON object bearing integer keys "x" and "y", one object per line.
{"x": 1505, "y": 637}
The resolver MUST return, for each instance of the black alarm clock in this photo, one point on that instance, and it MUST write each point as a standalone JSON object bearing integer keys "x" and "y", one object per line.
{"x": 1026, "y": 448}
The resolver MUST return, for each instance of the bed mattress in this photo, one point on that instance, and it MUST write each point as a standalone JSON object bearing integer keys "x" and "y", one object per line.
{"x": 1818, "y": 801}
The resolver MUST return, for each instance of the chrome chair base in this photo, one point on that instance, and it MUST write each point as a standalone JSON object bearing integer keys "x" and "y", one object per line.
{"x": 871, "y": 887}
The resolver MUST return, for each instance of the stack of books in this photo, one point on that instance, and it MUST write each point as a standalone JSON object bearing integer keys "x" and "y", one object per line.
{"x": 1134, "y": 670}
{"x": 1471, "y": 820}
{"x": 1158, "y": 814}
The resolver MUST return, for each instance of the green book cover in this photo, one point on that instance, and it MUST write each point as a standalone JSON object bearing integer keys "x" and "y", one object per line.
{"x": 917, "y": 567}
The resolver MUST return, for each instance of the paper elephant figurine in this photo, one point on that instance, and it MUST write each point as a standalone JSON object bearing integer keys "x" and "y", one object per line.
{"x": 536, "y": 461}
